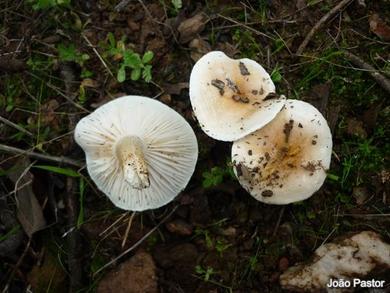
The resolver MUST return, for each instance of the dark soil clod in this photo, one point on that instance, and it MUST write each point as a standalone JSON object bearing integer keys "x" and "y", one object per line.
{"x": 243, "y": 69}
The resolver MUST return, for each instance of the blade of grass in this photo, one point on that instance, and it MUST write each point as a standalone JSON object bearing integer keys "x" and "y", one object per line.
{"x": 63, "y": 171}
{"x": 80, "y": 218}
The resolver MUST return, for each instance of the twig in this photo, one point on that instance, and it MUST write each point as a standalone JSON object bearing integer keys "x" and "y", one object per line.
{"x": 113, "y": 224}
{"x": 128, "y": 229}
{"x": 17, "y": 127}
{"x": 98, "y": 55}
{"x": 379, "y": 78}
{"x": 317, "y": 26}
{"x": 138, "y": 242}
{"x": 245, "y": 26}
{"x": 31, "y": 154}
{"x": 60, "y": 93}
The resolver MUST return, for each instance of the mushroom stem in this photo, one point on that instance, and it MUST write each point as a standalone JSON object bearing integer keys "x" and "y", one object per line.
{"x": 130, "y": 152}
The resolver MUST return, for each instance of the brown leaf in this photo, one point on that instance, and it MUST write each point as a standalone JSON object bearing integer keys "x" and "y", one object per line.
{"x": 29, "y": 211}
{"x": 379, "y": 27}
{"x": 189, "y": 28}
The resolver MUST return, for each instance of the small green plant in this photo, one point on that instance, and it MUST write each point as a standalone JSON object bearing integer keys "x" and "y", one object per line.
{"x": 71, "y": 54}
{"x": 221, "y": 246}
{"x": 206, "y": 234}
{"x": 177, "y": 5}
{"x": 276, "y": 76}
{"x": 205, "y": 274}
{"x": 140, "y": 66}
{"x": 45, "y": 4}
{"x": 216, "y": 175}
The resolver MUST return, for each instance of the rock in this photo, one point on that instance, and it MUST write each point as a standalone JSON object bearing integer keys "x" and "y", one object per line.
{"x": 179, "y": 227}
{"x": 356, "y": 256}
{"x": 137, "y": 275}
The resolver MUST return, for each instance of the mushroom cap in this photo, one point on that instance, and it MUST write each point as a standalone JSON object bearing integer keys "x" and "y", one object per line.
{"x": 285, "y": 161}
{"x": 230, "y": 97}
{"x": 169, "y": 146}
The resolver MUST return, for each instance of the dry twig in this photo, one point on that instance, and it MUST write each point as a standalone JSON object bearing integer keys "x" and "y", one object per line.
{"x": 17, "y": 127}
{"x": 31, "y": 154}
{"x": 317, "y": 26}
{"x": 138, "y": 242}
{"x": 379, "y": 78}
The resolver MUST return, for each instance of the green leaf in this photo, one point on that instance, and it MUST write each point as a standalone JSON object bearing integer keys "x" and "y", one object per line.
{"x": 148, "y": 56}
{"x": 63, "y": 171}
{"x": 68, "y": 53}
{"x": 86, "y": 73}
{"x": 136, "y": 74}
{"x": 147, "y": 73}
{"x": 111, "y": 39}
{"x": 121, "y": 76}
{"x": 276, "y": 76}
{"x": 177, "y": 4}
{"x": 85, "y": 57}
{"x": 133, "y": 60}
{"x": 9, "y": 108}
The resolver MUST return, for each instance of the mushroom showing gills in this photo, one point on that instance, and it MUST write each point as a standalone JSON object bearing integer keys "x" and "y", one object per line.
{"x": 139, "y": 152}
{"x": 232, "y": 98}
{"x": 285, "y": 161}
{"x": 354, "y": 257}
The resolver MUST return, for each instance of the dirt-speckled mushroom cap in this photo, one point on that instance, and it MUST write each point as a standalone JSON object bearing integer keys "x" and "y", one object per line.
{"x": 137, "y": 134}
{"x": 232, "y": 98}
{"x": 285, "y": 161}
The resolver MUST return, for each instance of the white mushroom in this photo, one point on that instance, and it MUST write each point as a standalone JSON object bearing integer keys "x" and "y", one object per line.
{"x": 349, "y": 260}
{"x": 139, "y": 152}
{"x": 232, "y": 98}
{"x": 287, "y": 160}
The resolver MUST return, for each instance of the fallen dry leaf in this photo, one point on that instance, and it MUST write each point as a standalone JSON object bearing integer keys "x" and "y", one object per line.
{"x": 29, "y": 211}
{"x": 190, "y": 27}
{"x": 379, "y": 27}
{"x": 89, "y": 82}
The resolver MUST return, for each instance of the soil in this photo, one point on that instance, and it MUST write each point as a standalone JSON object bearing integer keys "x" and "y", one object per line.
{"x": 219, "y": 238}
